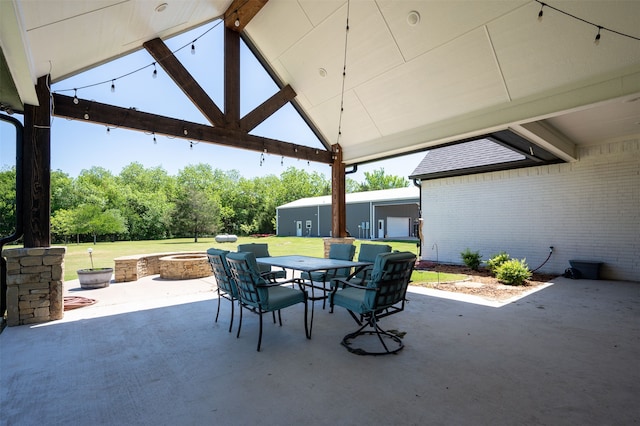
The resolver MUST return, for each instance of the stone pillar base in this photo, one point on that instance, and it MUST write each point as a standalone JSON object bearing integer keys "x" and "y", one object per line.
{"x": 35, "y": 278}
{"x": 330, "y": 240}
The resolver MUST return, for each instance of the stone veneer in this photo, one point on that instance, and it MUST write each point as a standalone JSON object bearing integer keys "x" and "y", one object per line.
{"x": 35, "y": 278}
{"x": 330, "y": 240}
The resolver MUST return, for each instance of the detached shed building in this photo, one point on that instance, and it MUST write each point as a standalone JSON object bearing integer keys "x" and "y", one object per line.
{"x": 388, "y": 213}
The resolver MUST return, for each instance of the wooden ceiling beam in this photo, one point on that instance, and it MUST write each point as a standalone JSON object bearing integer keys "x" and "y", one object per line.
{"x": 241, "y": 12}
{"x": 185, "y": 81}
{"x": 129, "y": 118}
{"x": 267, "y": 108}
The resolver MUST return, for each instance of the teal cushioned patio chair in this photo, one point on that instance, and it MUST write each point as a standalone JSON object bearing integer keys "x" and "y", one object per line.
{"x": 383, "y": 295}
{"x": 368, "y": 253}
{"x": 336, "y": 251}
{"x": 225, "y": 283}
{"x": 262, "y": 250}
{"x": 260, "y": 296}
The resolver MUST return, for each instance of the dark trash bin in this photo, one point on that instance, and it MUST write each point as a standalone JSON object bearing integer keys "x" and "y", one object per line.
{"x": 587, "y": 269}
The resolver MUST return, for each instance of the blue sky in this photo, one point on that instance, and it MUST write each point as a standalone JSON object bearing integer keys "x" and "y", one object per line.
{"x": 77, "y": 145}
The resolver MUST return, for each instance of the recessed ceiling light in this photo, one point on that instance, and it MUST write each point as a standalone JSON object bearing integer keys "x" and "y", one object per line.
{"x": 161, "y": 7}
{"x": 413, "y": 18}
{"x": 322, "y": 72}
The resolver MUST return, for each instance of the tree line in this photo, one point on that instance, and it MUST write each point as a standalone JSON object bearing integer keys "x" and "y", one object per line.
{"x": 148, "y": 204}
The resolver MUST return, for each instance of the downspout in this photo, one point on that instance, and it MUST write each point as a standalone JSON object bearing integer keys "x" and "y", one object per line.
{"x": 417, "y": 182}
{"x": 19, "y": 207}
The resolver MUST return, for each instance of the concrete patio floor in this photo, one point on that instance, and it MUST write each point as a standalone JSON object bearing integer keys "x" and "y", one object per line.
{"x": 149, "y": 352}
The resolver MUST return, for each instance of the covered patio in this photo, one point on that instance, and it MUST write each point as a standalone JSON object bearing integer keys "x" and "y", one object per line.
{"x": 149, "y": 352}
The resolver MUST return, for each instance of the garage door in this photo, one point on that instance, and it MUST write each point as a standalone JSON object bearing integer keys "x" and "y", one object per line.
{"x": 398, "y": 226}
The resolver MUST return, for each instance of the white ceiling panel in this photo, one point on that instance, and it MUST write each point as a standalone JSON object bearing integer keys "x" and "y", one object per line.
{"x": 564, "y": 49}
{"x": 318, "y": 11}
{"x": 278, "y": 35}
{"x": 357, "y": 125}
{"x": 371, "y": 51}
{"x": 459, "y": 77}
{"x": 440, "y": 21}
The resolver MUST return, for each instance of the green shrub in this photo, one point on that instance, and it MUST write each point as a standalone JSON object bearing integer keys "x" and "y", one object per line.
{"x": 496, "y": 260}
{"x": 471, "y": 258}
{"x": 513, "y": 272}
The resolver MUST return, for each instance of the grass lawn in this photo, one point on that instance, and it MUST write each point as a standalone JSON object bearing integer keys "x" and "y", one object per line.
{"x": 77, "y": 256}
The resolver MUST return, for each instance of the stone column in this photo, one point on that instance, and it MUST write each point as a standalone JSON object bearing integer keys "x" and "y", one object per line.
{"x": 35, "y": 278}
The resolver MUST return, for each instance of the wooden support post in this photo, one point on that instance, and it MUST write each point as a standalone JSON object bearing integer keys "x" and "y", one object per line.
{"x": 36, "y": 169}
{"x": 338, "y": 204}
{"x": 232, "y": 78}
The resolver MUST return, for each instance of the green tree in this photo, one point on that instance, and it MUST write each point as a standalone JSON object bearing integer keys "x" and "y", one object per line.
{"x": 378, "y": 180}
{"x": 147, "y": 204}
{"x": 195, "y": 214}
{"x": 7, "y": 202}
{"x": 90, "y": 219}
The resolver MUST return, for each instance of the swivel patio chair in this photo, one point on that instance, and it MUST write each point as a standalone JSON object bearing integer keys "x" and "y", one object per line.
{"x": 262, "y": 250}
{"x": 226, "y": 285}
{"x": 260, "y": 296}
{"x": 383, "y": 295}
{"x": 336, "y": 251}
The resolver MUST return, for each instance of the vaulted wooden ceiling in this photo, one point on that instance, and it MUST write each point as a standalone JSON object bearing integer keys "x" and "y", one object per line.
{"x": 418, "y": 73}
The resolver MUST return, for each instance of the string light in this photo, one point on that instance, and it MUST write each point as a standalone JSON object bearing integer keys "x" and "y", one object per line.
{"x": 75, "y": 97}
{"x": 344, "y": 73}
{"x": 112, "y": 80}
{"x": 155, "y": 71}
{"x": 113, "y": 86}
{"x": 191, "y": 145}
{"x": 282, "y": 161}
{"x": 541, "y": 12}
{"x": 577, "y": 18}
{"x": 155, "y": 141}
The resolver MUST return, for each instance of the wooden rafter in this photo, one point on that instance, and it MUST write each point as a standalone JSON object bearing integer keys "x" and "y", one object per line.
{"x": 109, "y": 115}
{"x": 185, "y": 81}
{"x": 267, "y": 108}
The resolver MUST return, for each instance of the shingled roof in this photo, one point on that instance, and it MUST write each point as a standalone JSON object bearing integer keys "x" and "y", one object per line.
{"x": 475, "y": 156}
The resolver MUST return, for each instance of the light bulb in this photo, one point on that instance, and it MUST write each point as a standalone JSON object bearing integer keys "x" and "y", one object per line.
{"x": 193, "y": 49}
{"x": 597, "y": 39}
{"x": 237, "y": 23}
{"x": 113, "y": 86}
{"x": 155, "y": 71}
{"x": 75, "y": 97}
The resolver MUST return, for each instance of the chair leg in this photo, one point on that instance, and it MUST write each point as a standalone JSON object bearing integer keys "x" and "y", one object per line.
{"x": 260, "y": 335}
{"x": 307, "y": 328}
{"x": 240, "y": 323}
{"x": 279, "y": 318}
{"x": 218, "y": 311}
{"x": 232, "y": 309}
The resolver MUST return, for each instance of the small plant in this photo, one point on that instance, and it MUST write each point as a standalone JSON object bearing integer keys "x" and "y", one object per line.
{"x": 471, "y": 258}
{"x": 513, "y": 272}
{"x": 496, "y": 260}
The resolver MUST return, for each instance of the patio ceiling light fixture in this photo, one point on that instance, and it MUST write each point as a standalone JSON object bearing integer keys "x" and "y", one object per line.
{"x": 161, "y": 7}
{"x": 413, "y": 18}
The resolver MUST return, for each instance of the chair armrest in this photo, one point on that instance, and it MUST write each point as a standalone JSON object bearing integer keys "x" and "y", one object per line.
{"x": 345, "y": 282}
{"x": 278, "y": 283}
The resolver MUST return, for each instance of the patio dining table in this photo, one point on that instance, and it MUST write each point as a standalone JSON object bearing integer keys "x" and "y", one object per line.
{"x": 312, "y": 264}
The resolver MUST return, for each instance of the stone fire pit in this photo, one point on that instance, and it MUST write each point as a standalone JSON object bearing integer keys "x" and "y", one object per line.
{"x": 184, "y": 266}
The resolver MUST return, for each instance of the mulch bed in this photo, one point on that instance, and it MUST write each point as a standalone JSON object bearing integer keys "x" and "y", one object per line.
{"x": 480, "y": 283}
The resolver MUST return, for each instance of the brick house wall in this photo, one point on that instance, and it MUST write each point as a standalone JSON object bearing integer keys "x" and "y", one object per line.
{"x": 587, "y": 210}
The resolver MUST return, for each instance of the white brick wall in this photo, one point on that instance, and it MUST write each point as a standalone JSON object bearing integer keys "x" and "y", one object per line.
{"x": 587, "y": 210}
